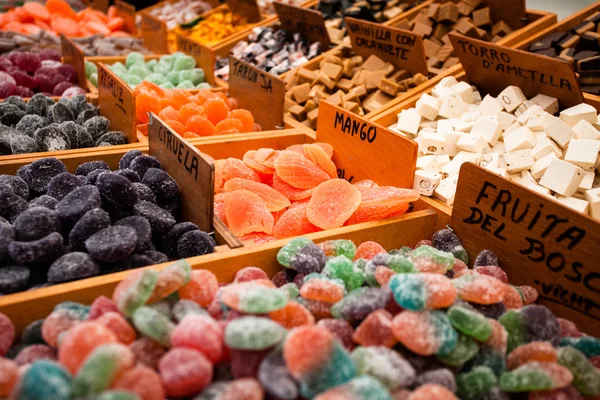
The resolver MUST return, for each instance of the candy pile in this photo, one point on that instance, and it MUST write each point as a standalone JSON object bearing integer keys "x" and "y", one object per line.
{"x": 467, "y": 17}
{"x": 205, "y": 113}
{"x": 58, "y": 17}
{"x": 509, "y": 135}
{"x": 215, "y": 27}
{"x": 271, "y": 49}
{"x": 334, "y": 12}
{"x": 100, "y": 45}
{"x": 339, "y": 322}
{"x": 272, "y": 194}
{"x": 579, "y": 46}
{"x": 24, "y": 74}
{"x": 58, "y": 226}
{"x": 179, "y": 12}
{"x": 42, "y": 124}
{"x": 170, "y": 71}
{"x": 346, "y": 80}
{"x": 34, "y": 43}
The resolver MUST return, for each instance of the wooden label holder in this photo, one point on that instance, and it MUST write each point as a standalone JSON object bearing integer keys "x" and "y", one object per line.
{"x": 154, "y": 34}
{"x": 101, "y": 5}
{"x": 204, "y": 56}
{"x": 492, "y": 68}
{"x": 248, "y": 9}
{"x": 259, "y": 92}
{"x": 538, "y": 241}
{"x": 73, "y": 55}
{"x": 401, "y": 48}
{"x": 116, "y": 102}
{"x": 309, "y": 23}
{"x": 365, "y": 150}
{"x": 127, "y": 12}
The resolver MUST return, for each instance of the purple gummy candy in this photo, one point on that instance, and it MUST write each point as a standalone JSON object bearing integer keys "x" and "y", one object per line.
{"x": 12, "y": 56}
{"x": 28, "y": 62}
{"x": 61, "y": 87}
{"x": 48, "y": 71}
{"x": 51, "y": 64}
{"x": 69, "y": 72}
{"x": 5, "y": 64}
{"x": 7, "y": 85}
{"x": 49, "y": 54}
{"x": 44, "y": 83}
{"x": 23, "y": 91}
{"x": 22, "y": 79}
{"x": 73, "y": 91}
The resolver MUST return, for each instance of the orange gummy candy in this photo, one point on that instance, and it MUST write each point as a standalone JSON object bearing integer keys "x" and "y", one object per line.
{"x": 294, "y": 222}
{"x": 176, "y": 126}
{"x": 431, "y": 391}
{"x": 368, "y": 250}
{"x": 532, "y": 351}
{"x": 289, "y": 191}
{"x": 189, "y": 110}
{"x": 257, "y": 238}
{"x": 273, "y": 199}
{"x": 169, "y": 113}
{"x": 298, "y": 171}
{"x": 216, "y": 110}
{"x": 378, "y": 203}
{"x": 144, "y": 104}
{"x": 245, "y": 117}
{"x": 200, "y": 125}
{"x": 246, "y": 213}
{"x": 332, "y": 203}
{"x": 251, "y": 161}
{"x": 229, "y": 126}
{"x": 80, "y": 341}
{"x": 292, "y": 315}
{"x": 234, "y": 168}
{"x": 319, "y": 156}
{"x": 376, "y": 330}
{"x": 202, "y": 287}
{"x": 322, "y": 290}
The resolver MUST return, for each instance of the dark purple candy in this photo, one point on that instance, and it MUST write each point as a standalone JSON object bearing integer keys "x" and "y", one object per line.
{"x": 493, "y": 311}
{"x": 85, "y": 116}
{"x": 126, "y": 160}
{"x": 40, "y": 172}
{"x": 38, "y": 104}
{"x": 7, "y": 235}
{"x": 113, "y": 138}
{"x": 144, "y": 192}
{"x": 30, "y": 123}
{"x": 35, "y": 223}
{"x": 40, "y": 251}
{"x": 143, "y": 163}
{"x": 143, "y": 231}
{"x": 74, "y": 205}
{"x": 541, "y": 324}
{"x": 310, "y": 258}
{"x": 136, "y": 261}
{"x": 156, "y": 256}
{"x": 14, "y": 279}
{"x": 162, "y": 184}
{"x": 112, "y": 244}
{"x": 22, "y": 144}
{"x": 18, "y": 185}
{"x": 129, "y": 174}
{"x": 170, "y": 241}
{"x": 11, "y": 205}
{"x": 195, "y": 243}
{"x": 63, "y": 184}
{"x": 16, "y": 101}
{"x": 59, "y": 113}
{"x": 160, "y": 220}
{"x": 44, "y": 201}
{"x": 10, "y": 114}
{"x": 361, "y": 302}
{"x": 72, "y": 266}
{"x": 96, "y": 126}
{"x": 92, "y": 222}
{"x": 486, "y": 258}
{"x": 87, "y": 167}
{"x": 443, "y": 377}
{"x": 117, "y": 190}
{"x": 274, "y": 377}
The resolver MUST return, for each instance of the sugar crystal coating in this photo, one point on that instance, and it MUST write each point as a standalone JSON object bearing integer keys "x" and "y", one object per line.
{"x": 72, "y": 266}
{"x": 112, "y": 244}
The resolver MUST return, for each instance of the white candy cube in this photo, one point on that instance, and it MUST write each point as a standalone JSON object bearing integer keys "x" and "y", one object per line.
{"x": 562, "y": 177}
{"x": 583, "y": 152}
{"x": 511, "y": 98}
{"x": 520, "y": 139}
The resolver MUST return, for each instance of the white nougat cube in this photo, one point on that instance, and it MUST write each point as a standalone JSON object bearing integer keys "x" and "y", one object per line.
{"x": 531, "y": 112}
{"x": 490, "y": 106}
{"x": 574, "y": 204}
{"x": 490, "y": 160}
{"x": 587, "y": 182}
{"x": 446, "y": 190}
{"x": 522, "y": 108}
{"x": 426, "y": 181}
{"x": 464, "y": 127}
{"x": 549, "y": 104}
{"x": 464, "y": 90}
{"x": 432, "y": 142}
{"x": 470, "y": 116}
{"x": 515, "y": 125}
{"x": 442, "y": 160}
{"x": 562, "y": 177}
{"x": 541, "y": 165}
{"x": 505, "y": 119}
{"x": 583, "y": 152}
{"x": 571, "y": 116}
{"x": 499, "y": 148}
{"x": 428, "y": 163}
{"x": 541, "y": 190}
{"x": 524, "y": 178}
{"x": 560, "y": 132}
{"x": 499, "y": 171}
{"x": 520, "y": 139}
{"x": 446, "y": 125}
{"x": 584, "y": 130}
{"x": 511, "y": 98}
{"x": 452, "y": 107}
{"x": 442, "y": 92}
{"x": 472, "y": 143}
{"x": 593, "y": 198}
{"x": 448, "y": 81}
{"x": 487, "y": 128}
{"x": 476, "y": 98}
{"x": 517, "y": 161}
{"x": 408, "y": 121}
{"x": 428, "y": 107}
{"x": 453, "y": 167}
{"x": 542, "y": 148}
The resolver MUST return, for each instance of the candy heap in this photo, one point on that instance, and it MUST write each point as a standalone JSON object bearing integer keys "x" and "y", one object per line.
{"x": 205, "y": 113}
{"x": 34, "y": 43}
{"x": 170, "y": 71}
{"x": 339, "y": 322}
{"x": 58, "y": 226}
{"x": 24, "y": 74}
{"x": 272, "y": 50}
{"x": 179, "y": 12}
{"x": 346, "y": 80}
{"x": 509, "y": 135}
{"x": 58, "y": 17}
{"x": 272, "y": 194}
{"x": 215, "y": 27}
{"x": 100, "y": 45}
{"x": 42, "y": 124}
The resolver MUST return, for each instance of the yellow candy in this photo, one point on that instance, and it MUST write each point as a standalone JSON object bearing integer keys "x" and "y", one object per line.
{"x": 217, "y": 26}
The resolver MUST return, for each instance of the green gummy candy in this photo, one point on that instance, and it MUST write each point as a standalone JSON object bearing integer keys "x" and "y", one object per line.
{"x": 185, "y": 85}
{"x": 81, "y": 311}
{"x": 466, "y": 348}
{"x": 491, "y": 358}
{"x": 385, "y": 365}
{"x": 156, "y": 78}
{"x": 526, "y": 378}
{"x": 138, "y": 70}
{"x": 177, "y": 55}
{"x": 361, "y": 264}
{"x": 403, "y": 251}
{"x": 173, "y": 77}
{"x": 470, "y": 322}
{"x": 118, "y": 68}
{"x": 291, "y": 290}
{"x": 586, "y": 378}
{"x": 134, "y": 58}
{"x": 151, "y": 65}
{"x": 261, "y": 300}
{"x": 100, "y": 369}
{"x": 183, "y": 63}
{"x": 203, "y": 85}
{"x": 588, "y": 345}
{"x": 90, "y": 68}
{"x": 345, "y": 248}
{"x": 475, "y": 384}
{"x": 154, "y": 325}
{"x": 116, "y": 395}
{"x": 446, "y": 260}
{"x": 343, "y": 268}
{"x": 162, "y": 68}
{"x": 163, "y": 307}
{"x": 253, "y": 333}
{"x": 167, "y": 85}
{"x": 285, "y": 254}
{"x": 133, "y": 80}
{"x": 186, "y": 75}
{"x": 513, "y": 322}
{"x": 45, "y": 380}
{"x": 94, "y": 79}
{"x": 198, "y": 76}
{"x": 138, "y": 292}
{"x": 401, "y": 264}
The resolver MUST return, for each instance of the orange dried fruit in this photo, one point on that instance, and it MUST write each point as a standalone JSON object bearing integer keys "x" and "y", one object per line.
{"x": 245, "y": 117}
{"x": 228, "y": 126}
{"x": 216, "y": 110}
{"x": 299, "y": 171}
{"x": 274, "y": 200}
{"x": 246, "y": 213}
{"x": 200, "y": 126}
{"x": 333, "y": 203}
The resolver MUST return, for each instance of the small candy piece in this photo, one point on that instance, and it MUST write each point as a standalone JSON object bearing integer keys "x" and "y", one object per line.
{"x": 292, "y": 315}
{"x": 63, "y": 184}
{"x": 135, "y": 290}
{"x": 147, "y": 352}
{"x": 249, "y": 274}
{"x": 588, "y": 345}
{"x": 72, "y": 266}
{"x": 359, "y": 303}
{"x": 341, "y": 331}
{"x": 586, "y": 378}
{"x": 447, "y": 241}
{"x": 184, "y": 372}
{"x": 45, "y": 380}
{"x": 385, "y": 365}
{"x": 476, "y": 384}
{"x": 56, "y": 323}
{"x": 465, "y": 349}
{"x": 183, "y": 308}
{"x": 287, "y": 252}
{"x": 535, "y": 376}
{"x": 425, "y": 333}
{"x": 9, "y": 376}
{"x": 533, "y": 351}
{"x": 78, "y": 202}
{"x": 429, "y": 259}
{"x": 333, "y": 202}
{"x": 14, "y": 279}
{"x": 201, "y": 333}
{"x": 153, "y": 324}
{"x": 80, "y": 341}
{"x": 340, "y": 247}
{"x": 195, "y": 243}
{"x": 160, "y": 220}
{"x": 480, "y": 289}
{"x": 253, "y": 297}
{"x": 101, "y": 306}
{"x": 376, "y": 330}
{"x": 253, "y": 333}
{"x": 470, "y": 322}
{"x": 422, "y": 291}
{"x": 170, "y": 280}
{"x": 368, "y": 250}
{"x": 141, "y": 380}
{"x": 443, "y": 377}
{"x": 35, "y": 352}
{"x": 40, "y": 172}
{"x": 202, "y": 287}
{"x": 340, "y": 267}
{"x": 432, "y": 391}
{"x": 323, "y": 289}
{"x": 119, "y": 326}
{"x": 7, "y": 334}
{"x": 275, "y": 378}
{"x": 360, "y": 388}
{"x": 40, "y": 251}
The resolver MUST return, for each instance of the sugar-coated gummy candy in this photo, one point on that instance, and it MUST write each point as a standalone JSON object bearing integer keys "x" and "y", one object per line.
{"x": 89, "y": 166}
{"x": 425, "y": 333}
{"x": 7, "y": 335}
{"x": 142, "y": 163}
{"x": 535, "y": 376}
{"x": 476, "y": 383}
{"x": 375, "y": 330}
{"x": 275, "y": 378}
{"x": 142, "y": 229}
{"x": 141, "y": 381}
{"x": 361, "y": 302}
{"x": 44, "y": 201}
{"x": 360, "y": 388}
{"x": 40, "y": 172}
{"x": 117, "y": 190}
{"x": 160, "y": 220}
{"x": 385, "y": 365}
{"x": 96, "y": 126}
{"x": 442, "y": 376}
{"x": 470, "y": 322}
{"x": 253, "y": 333}
{"x": 78, "y": 202}
{"x": 38, "y": 251}
{"x": 153, "y": 324}
{"x": 122, "y": 329}
{"x": 129, "y": 174}
{"x": 144, "y": 192}
{"x": 170, "y": 280}
{"x": 35, "y": 223}
{"x": 421, "y": 291}
{"x": 14, "y": 279}
{"x": 465, "y": 349}
{"x": 80, "y": 341}
{"x": 63, "y": 184}
{"x": 32, "y": 353}
{"x": 135, "y": 290}
{"x": 17, "y": 183}
{"x": 72, "y": 266}
{"x": 184, "y": 372}
{"x": 112, "y": 244}
{"x": 164, "y": 187}
{"x": 586, "y": 378}
{"x": 90, "y": 223}
{"x": 343, "y": 268}
{"x": 201, "y": 333}
{"x": 46, "y": 380}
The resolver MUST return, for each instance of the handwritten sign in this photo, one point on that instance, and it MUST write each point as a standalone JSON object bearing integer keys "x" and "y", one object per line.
{"x": 154, "y": 34}
{"x": 194, "y": 174}
{"x": 257, "y": 91}
{"x": 401, "y": 48}
{"x": 116, "y": 102}
{"x": 538, "y": 241}
{"x": 247, "y": 8}
{"x": 513, "y": 12}
{"x": 366, "y": 150}
{"x": 204, "y": 56}
{"x": 127, "y": 12}
{"x": 492, "y": 68}
{"x": 73, "y": 55}
{"x": 308, "y": 22}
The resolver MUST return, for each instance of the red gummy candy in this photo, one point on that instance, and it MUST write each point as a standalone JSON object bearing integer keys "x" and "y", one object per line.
{"x": 199, "y": 333}
{"x": 7, "y": 334}
{"x": 184, "y": 372}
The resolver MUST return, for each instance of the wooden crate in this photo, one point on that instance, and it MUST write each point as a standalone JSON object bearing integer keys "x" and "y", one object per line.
{"x": 561, "y": 26}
